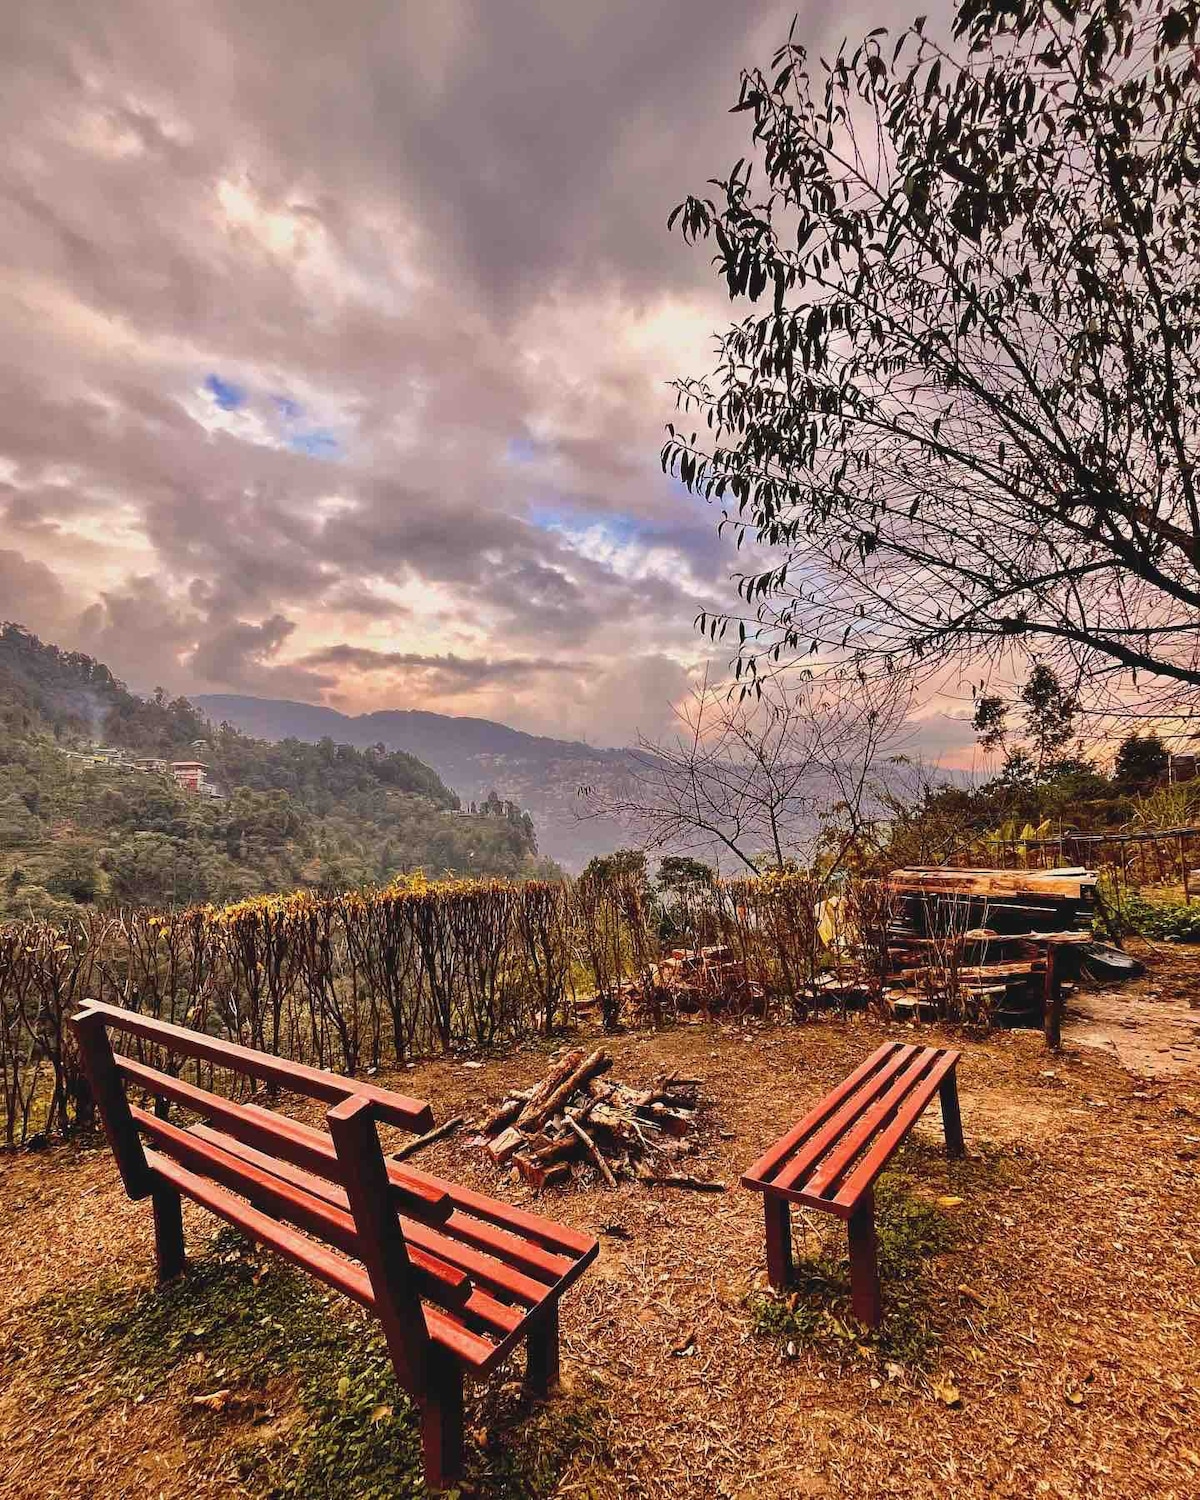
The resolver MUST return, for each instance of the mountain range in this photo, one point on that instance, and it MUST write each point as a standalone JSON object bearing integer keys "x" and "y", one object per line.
{"x": 473, "y": 756}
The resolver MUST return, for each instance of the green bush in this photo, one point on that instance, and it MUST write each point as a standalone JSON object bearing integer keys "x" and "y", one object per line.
{"x": 1166, "y": 921}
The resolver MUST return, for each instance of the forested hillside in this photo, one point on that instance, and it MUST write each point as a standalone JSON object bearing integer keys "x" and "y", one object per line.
{"x": 285, "y": 815}
{"x": 473, "y": 755}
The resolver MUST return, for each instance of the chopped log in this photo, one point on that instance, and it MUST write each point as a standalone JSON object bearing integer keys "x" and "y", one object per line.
{"x": 537, "y": 1175}
{"x": 555, "y": 1151}
{"x": 504, "y": 1145}
{"x": 506, "y": 1114}
{"x": 562, "y": 1069}
{"x": 673, "y": 1121}
{"x": 533, "y": 1114}
{"x": 593, "y": 1151}
{"x": 412, "y": 1147}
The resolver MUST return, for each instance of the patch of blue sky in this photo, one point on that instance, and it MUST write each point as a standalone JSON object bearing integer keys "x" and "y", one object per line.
{"x": 317, "y": 442}
{"x": 288, "y": 408}
{"x": 570, "y": 520}
{"x": 227, "y": 395}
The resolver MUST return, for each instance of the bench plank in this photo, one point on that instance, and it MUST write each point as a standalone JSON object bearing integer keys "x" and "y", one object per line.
{"x": 561, "y": 1240}
{"x": 835, "y": 1162}
{"x": 333, "y": 1269}
{"x": 265, "y": 1129}
{"x": 396, "y": 1109}
{"x": 484, "y": 1269}
{"x": 887, "y": 1144}
{"x": 565, "y": 1246}
{"x": 793, "y": 1173}
{"x": 788, "y": 1143}
{"x": 315, "y": 1215}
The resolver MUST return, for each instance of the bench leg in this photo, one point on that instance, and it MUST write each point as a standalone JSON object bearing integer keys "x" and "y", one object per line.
{"x": 864, "y": 1263}
{"x": 541, "y": 1369}
{"x": 168, "y": 1232}
{"x": 442, "y": 1423}
{"x": 951, "y": 1116}
{"x": 779, "y": 1241}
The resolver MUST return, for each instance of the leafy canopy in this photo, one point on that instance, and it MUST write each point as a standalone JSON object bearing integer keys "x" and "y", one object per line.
{"x": 961, "y": 414}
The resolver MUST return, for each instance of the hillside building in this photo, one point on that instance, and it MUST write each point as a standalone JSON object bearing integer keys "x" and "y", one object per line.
{"x": 191, "y": 775}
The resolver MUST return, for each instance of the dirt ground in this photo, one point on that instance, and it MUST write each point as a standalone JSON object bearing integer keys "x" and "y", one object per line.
{"x": 1151, "y": 1025}
{"x": 1057, "y": 1344}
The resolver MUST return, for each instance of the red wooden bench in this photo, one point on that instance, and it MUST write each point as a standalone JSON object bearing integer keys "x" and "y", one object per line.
{"x": 831, "y": 1158}
{"x": 457, "y": 1279}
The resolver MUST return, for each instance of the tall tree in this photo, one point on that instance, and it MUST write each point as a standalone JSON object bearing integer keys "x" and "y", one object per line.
{"x": 961, "y": 415}
{"x": 763, "y": 779}
{"x": 1142, "y": 762}
{"x": 1048, "y": 712}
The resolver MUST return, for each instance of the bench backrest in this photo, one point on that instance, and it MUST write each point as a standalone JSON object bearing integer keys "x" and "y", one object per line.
{"x": 348, "y": 1153}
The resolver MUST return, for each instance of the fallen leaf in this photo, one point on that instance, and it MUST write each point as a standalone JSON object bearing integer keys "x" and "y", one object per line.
{"x": 381, "y": 1414}
{"x": 343, "y": 1387}
{"x": 1074, "y": 1397}
{"x": 949, "y": 1201}
{"x": 214, "y": 1401}
{"x": 947, "y": 1392}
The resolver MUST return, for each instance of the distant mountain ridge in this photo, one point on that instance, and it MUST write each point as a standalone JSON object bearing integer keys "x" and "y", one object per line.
{"x": 474, "y": 756}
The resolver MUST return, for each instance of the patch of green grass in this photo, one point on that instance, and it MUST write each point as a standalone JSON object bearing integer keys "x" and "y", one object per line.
{"x": 816, "y": 1311}
{"x": 311, "y": 1406}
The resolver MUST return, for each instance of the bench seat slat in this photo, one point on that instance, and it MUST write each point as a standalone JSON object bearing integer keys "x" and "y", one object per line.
{"x": 866, "y": 1116}
{"x": 472, "y": 1313}
{"x": 333, "y": 1269}
{"x": 900, "y": 1097}
{"x": 545, "y": 1249}
{"x": 560, "y": 1239}
{"x": 274, "y": 1195}
{"x": 786, "y": 1144}
{"x": 885, "y": 1147}
{"x": 396, "y": 1109}
{"x": 485, "y": 1270}
{"x": 795, "y": 1173}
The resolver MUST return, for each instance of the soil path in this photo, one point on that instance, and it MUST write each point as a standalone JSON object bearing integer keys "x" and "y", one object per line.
{"x": 1151, "y": 1026}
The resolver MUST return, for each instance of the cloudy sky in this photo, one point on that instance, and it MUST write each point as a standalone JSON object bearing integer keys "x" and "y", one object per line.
{"x": 335, "y": 338}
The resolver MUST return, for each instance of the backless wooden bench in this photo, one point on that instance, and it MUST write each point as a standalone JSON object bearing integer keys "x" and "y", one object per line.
{"x": 832, "y": 1157}
{"x": 457, "y": 1279}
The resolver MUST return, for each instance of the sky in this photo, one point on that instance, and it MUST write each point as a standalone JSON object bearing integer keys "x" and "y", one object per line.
{"x": 336, "y": 340}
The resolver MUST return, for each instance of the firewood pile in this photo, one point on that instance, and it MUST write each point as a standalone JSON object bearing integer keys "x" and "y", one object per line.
{"x": 695, "y": 981}
{"x": 577, "y": 1120}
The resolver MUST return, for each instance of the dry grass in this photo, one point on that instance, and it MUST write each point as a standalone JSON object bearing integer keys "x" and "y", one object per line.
{"x": 1061, "y": 1299}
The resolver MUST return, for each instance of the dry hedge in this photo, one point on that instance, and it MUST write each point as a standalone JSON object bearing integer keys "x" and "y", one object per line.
{"x": 372, "y": 979}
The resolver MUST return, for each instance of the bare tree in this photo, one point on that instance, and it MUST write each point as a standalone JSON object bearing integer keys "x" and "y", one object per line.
{"x": 763, "y": 778}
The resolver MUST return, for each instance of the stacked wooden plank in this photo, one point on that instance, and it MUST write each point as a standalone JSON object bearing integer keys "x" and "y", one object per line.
{"x": 983, "y": 943}
{"x": 577, "y": 1120}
